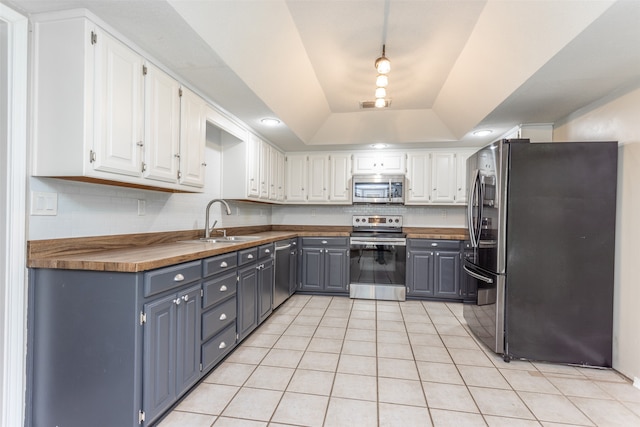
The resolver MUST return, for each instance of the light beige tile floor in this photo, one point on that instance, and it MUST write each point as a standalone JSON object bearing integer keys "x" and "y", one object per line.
{"x": 333, "y": 361}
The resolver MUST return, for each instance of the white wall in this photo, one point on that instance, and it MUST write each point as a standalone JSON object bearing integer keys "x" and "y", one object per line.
{"x": 617, "y": 117}
{"x": 93, "y": 210}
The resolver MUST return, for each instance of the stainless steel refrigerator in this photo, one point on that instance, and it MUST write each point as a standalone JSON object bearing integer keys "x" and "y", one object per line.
{"x": 541, "y": 220}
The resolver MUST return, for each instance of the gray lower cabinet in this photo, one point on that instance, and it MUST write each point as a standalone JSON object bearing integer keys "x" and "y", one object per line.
{"x": 255, "y": 288}
{"x": 325, "y": 265}
{"x": 433, "y": 269}
{"x": 171, "y": 349}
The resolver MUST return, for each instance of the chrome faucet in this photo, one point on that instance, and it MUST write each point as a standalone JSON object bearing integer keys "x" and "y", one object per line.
{"x": 207, "y": 229}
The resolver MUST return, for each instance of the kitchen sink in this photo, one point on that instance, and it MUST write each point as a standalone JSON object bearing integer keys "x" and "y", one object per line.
{"x": 227, "y": 239}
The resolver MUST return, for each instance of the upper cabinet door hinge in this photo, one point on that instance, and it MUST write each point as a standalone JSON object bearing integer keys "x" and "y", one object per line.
{"x": 144, "y": 70}
{"x": 144, "y": 167}
{"x": 140, "y": 417}
{"x": 92, "y": 156}
{"x": 94, "y": 37}
{"x": 180, "y": 92}
{"x": 143, "y": 318}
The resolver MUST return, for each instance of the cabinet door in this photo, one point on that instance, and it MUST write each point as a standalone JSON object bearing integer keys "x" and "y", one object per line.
{"x": 339, "y": 178}
{"x": 443, "y": 178}
{"x": 247, "y": 296}
{"x": 461, "y": 175}
{"x": 420, "y": 274}
{"x": 188, "y": 339}
{"x": 253, "y": 166}
{"x": 192, "y": 139}
{"x": 386, "y": 163}
{"x": 265, "y": 290}
{"x": 336, "y": 265}
{"x": 447, "y": 274}
{"x": 318, "y": 178}
{"x": 264, "y": 170}
{"x": 279, "y": 176}
{"x": 312, "y": 269}
{"x": 418, "y": 178}
{"x": 296, "y": 178}
{"x": 162, "y": 126}
{"x": 118, "y": 112}
{"x": 159, "y": 377}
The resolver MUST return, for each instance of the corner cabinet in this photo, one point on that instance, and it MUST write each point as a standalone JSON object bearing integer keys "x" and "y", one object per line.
{"x": 103, "y": 113}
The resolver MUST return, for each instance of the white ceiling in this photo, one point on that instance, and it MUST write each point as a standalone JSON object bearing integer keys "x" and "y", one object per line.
{"x": 457, "y": 66}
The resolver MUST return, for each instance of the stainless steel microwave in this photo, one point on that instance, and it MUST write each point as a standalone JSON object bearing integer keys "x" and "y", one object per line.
{"x": 378, "y": 189}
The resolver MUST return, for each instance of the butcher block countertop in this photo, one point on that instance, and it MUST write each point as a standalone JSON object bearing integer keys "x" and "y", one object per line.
{"x": 131, "y": 253}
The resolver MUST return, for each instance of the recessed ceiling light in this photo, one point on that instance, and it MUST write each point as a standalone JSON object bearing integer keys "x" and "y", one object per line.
{"x": 269, "y": 121}
{"x": 378, "y": 146}
{"x": 483, "y": 132}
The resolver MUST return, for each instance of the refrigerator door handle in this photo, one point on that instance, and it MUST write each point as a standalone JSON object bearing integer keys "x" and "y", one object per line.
{"x": 474, "y": 227}
{"x": 477, "y": 276}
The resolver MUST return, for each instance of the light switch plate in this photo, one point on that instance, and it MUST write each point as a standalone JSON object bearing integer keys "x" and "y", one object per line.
{"x": 44, "y": 203}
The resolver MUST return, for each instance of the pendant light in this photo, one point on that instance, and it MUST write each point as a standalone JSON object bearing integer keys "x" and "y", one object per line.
{"x": 383, "y": 66}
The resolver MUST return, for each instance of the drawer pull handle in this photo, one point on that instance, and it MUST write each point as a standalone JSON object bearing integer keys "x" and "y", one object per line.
{"x": 324, "y": 242}
{"x": 267, "y": 251}
{"x": 178, "y": 278}
{"x": 222, "y": 345}
{"x": 223, "y": 316}
{"x": 434, "y": 244}
{"x": 223, "y": 288}
{"x": 223, "y": 264}
{"x": 250, "y": 256}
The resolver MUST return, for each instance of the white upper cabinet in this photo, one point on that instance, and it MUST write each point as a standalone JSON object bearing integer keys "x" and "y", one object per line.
{"x": 382, "y": 163}
{"x": 98, "y": 117}
{"x": 162, "y": 126}
{"x": 437, "y": 177}
{"x": 193, "y": 128}
{"x": 118, "y": 108}
{"x": 279, "y": 177}
{"x": 443, "y": 177}
{"x": 296, "y": 178}
{"x": 340, "y": 178}
{"x": 318, "y": 178}
{"x": 418, "y": 178}
{"x": 254, "y": 146}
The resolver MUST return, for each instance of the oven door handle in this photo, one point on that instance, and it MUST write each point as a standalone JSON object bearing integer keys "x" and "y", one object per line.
{"x": 399, "y": 242}
{"x": 477, "y": 276}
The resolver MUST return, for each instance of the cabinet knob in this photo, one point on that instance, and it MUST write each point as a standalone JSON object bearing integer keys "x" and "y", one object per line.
{"x": 185, "y": 298}
{"x": 267, "y": 251}
{"x": 176, "y": 301}
{"x": 140, "y": 144}
{"x": 250, "y": 256}
{"x": 324, "y": 242}
{"x": 223, "y": 288}
{"x": 223, "y": 316}
{"x": 434, "y": 244}
{"x": 222, "y": 345}
{"x": 178, "y": 278}
{"x": 223, "y": 264}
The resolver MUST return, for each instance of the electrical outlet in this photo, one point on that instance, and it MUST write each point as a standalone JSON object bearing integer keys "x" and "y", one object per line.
{"x": 44, "y": 203}
{"x": 142, "y": 207}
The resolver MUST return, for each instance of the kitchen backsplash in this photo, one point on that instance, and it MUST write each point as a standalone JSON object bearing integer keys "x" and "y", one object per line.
{"x": 413, "y": 216}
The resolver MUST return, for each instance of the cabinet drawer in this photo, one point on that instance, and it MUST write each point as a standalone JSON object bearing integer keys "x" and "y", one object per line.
{"x": 216, "y": 319}
{"x": 265, "y": 250}
{"x": 247, "y": 255}
{"x": 218, "y": 264}
{"x": 163, "y": 279}
{"x": 325, "y": 241}
{"x": 434, "y": 244}
{"x": 214, "y": 349}
{"x": 217, "y": 289}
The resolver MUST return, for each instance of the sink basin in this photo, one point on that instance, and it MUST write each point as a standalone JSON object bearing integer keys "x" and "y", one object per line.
{"x": 228, "y": 239}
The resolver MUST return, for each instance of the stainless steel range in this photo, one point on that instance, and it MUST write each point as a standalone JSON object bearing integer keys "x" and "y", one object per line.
{"x": 378, "y": 258}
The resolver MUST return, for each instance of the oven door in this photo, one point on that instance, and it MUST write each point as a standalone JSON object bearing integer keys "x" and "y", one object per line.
{"x": 378, "y": 268}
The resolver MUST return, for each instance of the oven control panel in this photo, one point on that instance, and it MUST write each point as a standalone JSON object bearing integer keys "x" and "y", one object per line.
{"x": 377, "y": 221}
